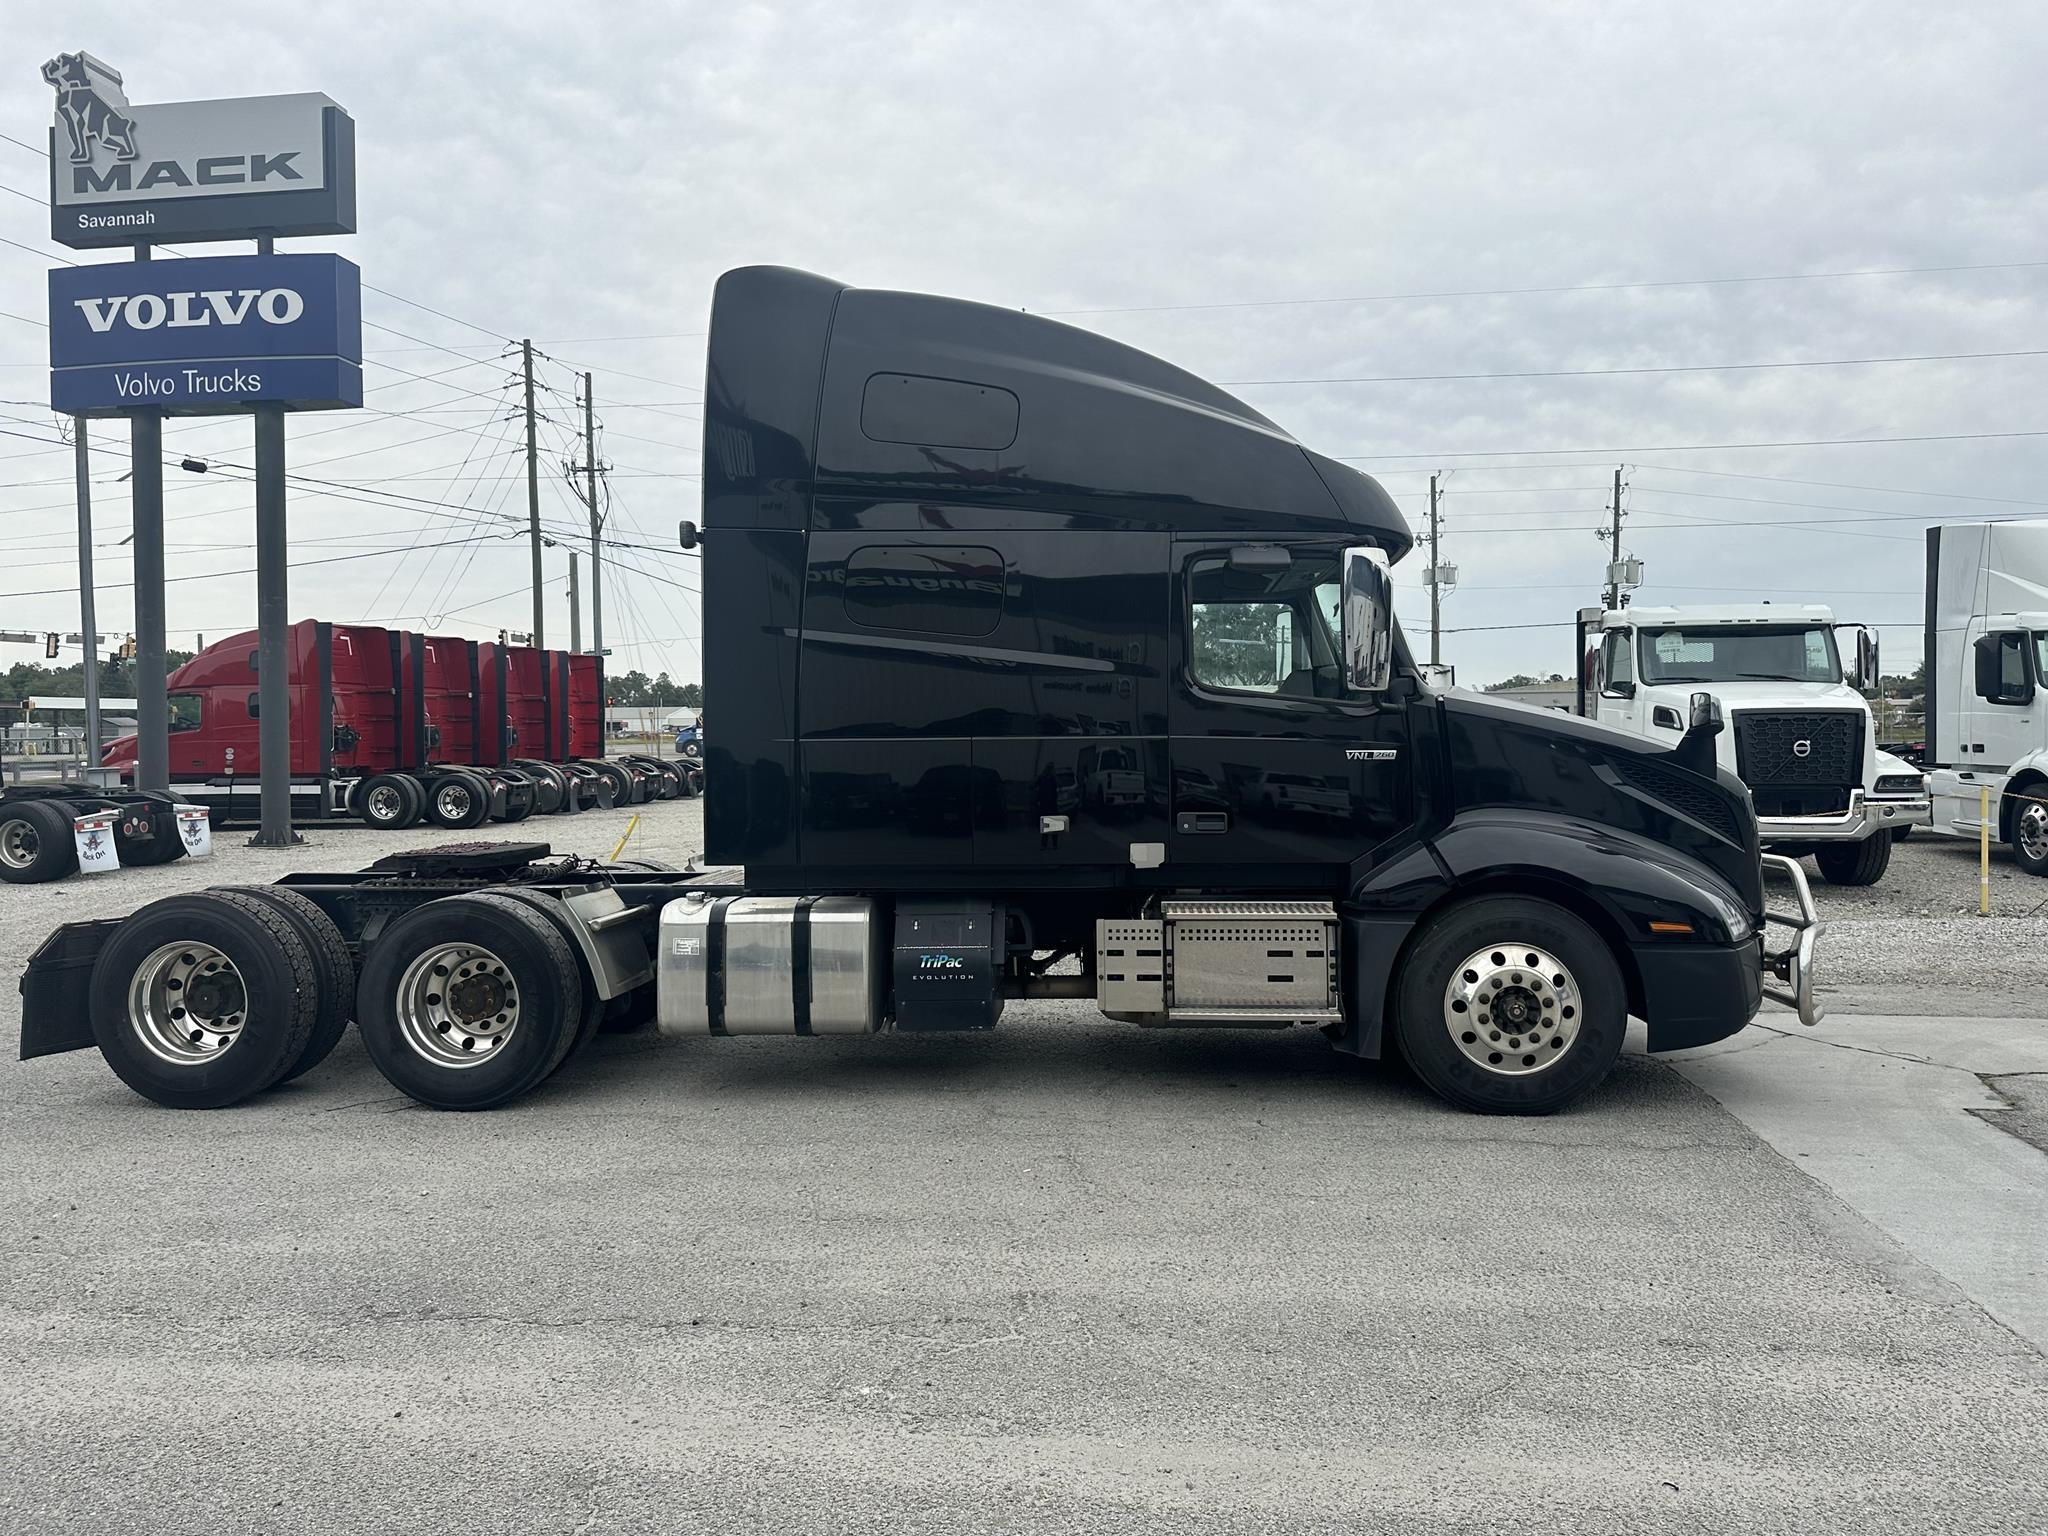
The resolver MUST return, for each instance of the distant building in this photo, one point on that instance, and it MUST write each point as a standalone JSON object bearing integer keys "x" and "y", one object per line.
{"x": 1562, "y": 696}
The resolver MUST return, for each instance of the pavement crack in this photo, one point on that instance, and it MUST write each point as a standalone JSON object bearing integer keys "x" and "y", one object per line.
{"x": 1843, "y": 1045}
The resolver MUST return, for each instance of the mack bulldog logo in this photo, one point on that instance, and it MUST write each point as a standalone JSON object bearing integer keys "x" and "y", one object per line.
{"x": 91, "y": 106}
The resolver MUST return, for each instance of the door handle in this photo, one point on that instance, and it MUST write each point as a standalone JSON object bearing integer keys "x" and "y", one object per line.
{"x": 1203, "y": 821}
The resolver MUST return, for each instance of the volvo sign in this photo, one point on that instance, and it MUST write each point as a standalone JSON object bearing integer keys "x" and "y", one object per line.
{"x": 192, "y": 170}
{"x": 207, "y": 335}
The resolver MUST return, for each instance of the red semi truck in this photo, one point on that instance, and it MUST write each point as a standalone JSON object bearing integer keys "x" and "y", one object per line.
{"x": 393, "y": 727}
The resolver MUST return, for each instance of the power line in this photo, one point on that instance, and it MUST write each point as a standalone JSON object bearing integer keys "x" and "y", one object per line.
{"x": 1811, "y": 442}
{"x": 1491, "y": 293}
{"x": 1592, "y": 373}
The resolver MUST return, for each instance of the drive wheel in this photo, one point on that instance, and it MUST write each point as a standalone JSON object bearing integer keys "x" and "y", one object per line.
{"x": 470, "y": 1001}
{"x": 624, "y": 786}
{"x": 550, "y": 787}
{"x": 198, "y": 1001}
{"x": 144, "y": 852}
{"x": 458, "y": 800}
{"x": 1864, "y": 863}
{"x": 389, "y": 801}
{"x": 1509, "y": 1005}
{"x": 35, "y": 843}
{"x": 333, "y": 966}
{"x": 522, "y": 794}
{"x": 2030, "y": 836}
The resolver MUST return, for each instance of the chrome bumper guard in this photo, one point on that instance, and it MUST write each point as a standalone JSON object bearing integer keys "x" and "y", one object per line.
{"x": 1792, "y": 968}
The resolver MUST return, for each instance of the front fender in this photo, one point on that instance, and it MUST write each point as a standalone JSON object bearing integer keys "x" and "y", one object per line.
{"x": 1619, "y": 883}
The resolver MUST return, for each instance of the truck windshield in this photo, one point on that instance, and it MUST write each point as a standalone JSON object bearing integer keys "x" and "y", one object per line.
{"x": 1730, "y": 653}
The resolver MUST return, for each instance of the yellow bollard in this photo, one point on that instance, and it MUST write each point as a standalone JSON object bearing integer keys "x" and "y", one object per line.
{"x": 1983, "y": 853}
{"x": 636, "y": 822}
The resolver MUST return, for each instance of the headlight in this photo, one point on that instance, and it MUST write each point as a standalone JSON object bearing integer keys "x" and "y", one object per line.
{"x": 1898, "y": 784}
{"x": 1730, "y": 913}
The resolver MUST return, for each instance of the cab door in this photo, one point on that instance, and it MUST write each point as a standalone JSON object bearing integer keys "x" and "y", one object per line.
{"x": 1618, "y": 704}
{"x": 1280, "y": 777}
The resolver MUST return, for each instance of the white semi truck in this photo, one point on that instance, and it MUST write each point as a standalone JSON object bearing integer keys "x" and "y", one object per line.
{"x": 1800, "y": 733}
{"x": 1987, "y": 669}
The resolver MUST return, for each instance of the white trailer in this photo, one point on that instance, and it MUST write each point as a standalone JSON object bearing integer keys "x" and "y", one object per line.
{"x": 1800, "y": 732}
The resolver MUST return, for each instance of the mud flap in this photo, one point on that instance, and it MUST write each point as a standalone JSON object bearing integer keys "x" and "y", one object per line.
{"x": 56, "y": 1014}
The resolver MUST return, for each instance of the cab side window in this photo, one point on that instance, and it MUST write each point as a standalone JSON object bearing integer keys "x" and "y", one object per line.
{"x": 1617, "y": 661}
{"x": 1263, "y": 630}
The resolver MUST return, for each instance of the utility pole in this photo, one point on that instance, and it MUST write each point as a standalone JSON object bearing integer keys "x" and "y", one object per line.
{"x": 533, "y": 499}
{"x": 590, "y": 495}
{"x": 575, "y": 608}
{"x": 1435, "y": 598}
{"x": 1614, "y": 549}
{"x": 81, "y": 453}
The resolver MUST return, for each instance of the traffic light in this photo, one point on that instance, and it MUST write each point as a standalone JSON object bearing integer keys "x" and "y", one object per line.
{"x": 128, "y": 649}
{"x": 50, "y": 646}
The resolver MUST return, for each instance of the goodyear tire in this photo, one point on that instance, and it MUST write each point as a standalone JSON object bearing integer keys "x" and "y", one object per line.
{"x": 1509, "y": 1005}
{"x": 35, "y": 843}
{"x": 199, "y": 1001}
{"x": 333, "y": 968}
{"x": 1858, "y": 863}
{"x": 389, "y": 801}
{"x": 470, "y": 1001}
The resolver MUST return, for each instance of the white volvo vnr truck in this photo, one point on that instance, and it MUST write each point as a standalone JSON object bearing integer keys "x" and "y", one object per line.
{"x": 1800, "y": 733}
{"x": 1987, "y": 669}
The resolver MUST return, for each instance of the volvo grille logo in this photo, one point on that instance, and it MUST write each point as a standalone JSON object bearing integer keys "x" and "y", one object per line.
{"x": 1802, "y": 749}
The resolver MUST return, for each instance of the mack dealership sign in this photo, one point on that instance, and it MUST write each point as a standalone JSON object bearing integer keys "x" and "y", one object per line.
{"x": 193, "y": 170}
{"x": 206, "y": 335}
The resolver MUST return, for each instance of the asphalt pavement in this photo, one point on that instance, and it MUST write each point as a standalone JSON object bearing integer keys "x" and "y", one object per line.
{"x": 1069, "y": 1276}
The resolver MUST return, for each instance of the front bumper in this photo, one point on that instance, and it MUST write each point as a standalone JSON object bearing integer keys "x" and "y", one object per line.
{"x": 1866, "y": 814}
{"x": 1791, "y": 969}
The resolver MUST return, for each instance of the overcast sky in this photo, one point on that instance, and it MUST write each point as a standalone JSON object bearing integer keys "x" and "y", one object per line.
{"x": 1262, "y": 193}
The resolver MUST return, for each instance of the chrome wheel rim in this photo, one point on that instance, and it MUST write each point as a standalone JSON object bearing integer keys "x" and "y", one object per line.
{"x": 2034, "y": 833}
{"x": 452, "y": 801}
{"x": 384, "y": 803}
{"x": 1513, "y": 1009}
{"x": 19, "y": 845}
{"x": 458, "y": 1005}
{"x": 187, "y": 1003}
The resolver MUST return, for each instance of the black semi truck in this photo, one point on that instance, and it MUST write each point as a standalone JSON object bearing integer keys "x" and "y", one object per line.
{"x": 1042, "y": 669}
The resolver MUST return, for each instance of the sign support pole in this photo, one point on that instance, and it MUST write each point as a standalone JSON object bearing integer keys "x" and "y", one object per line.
{"x": 81, "y": 452}
{"x": 146, "y": 482}
{"x": 273, "y": 637}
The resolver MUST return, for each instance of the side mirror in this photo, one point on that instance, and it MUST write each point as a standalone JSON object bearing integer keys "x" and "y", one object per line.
{"x": 1620, "y": 690}
{"x": 686, "y": 534}
{"x": 1368, "y": 618}
{"x": 1695, "y": 748}
{"x": 1862, "y": 671}
{"x": 1991, "y": 683}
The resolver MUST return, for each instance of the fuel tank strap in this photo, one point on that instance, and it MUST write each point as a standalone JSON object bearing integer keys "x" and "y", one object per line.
{"x": 714, "y": 964}
{"x": 800, "y": 965}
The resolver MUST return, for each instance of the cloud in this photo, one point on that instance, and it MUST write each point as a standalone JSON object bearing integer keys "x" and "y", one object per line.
{"x": 582, "y": 172}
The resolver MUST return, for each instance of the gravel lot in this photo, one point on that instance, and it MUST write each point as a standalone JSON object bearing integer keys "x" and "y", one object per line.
{"x": 1068, "y": 1276}
{"x": 1913, "y": 943}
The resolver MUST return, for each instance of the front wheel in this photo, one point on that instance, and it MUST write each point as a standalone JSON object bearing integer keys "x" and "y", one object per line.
{"x": 1509, "y": 1005}
{"x": 1859, "y": 863}
{"x": 2030, "y": 837}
